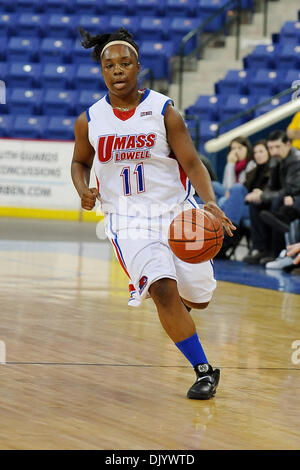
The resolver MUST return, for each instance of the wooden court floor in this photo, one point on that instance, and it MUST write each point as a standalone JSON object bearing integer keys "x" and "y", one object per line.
{"x": 83, "y": 370}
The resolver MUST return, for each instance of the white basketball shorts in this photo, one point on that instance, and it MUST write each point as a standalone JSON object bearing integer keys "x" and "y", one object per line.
{"x": 146, "y": 257}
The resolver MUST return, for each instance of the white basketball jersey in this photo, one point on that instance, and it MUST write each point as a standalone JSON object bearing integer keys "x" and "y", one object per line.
{"x": 134, "y": 165}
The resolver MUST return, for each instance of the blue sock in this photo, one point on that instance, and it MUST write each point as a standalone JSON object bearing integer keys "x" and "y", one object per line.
{"x": 191, "y": 348}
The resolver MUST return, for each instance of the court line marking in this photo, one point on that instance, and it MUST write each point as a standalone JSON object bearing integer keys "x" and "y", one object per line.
{"x": 138, "y": 365}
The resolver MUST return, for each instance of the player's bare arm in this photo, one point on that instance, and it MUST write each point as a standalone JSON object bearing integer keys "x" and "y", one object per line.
{"x": 82, "y": 162}
{"x": 182, "y": 145}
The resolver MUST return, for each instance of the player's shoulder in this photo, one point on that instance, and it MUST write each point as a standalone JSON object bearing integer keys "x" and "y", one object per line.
{"x": 159, "y": 101}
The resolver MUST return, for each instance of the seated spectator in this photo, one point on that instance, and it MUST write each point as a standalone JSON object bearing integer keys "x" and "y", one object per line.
{"x": 289, "y": 211}
{"x": 239, "y": 160}
{"x": 284, "y": 181}
{"x": 236, "y": 204}
{"x": 293, "y": 131}
{"x": 256, "y": 178}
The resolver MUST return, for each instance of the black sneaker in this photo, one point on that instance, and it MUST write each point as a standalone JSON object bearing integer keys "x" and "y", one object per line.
{"x": 206, "y": 383}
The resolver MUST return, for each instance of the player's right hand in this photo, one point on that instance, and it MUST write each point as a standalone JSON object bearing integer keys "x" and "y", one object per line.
{"x": 88, "y": 198}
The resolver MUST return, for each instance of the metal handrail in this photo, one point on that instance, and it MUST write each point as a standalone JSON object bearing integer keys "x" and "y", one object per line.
{"x": 250, "y": 110}
{"x": 199, "y": 31}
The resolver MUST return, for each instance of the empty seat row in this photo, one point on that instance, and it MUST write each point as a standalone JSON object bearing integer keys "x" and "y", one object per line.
{"x": 210, "y": 110}
{"x": 256, "y": 82}
{"x": 67, "y": 26}
{"x": 49, "y": 102}
{"x": 110, "y": 7}
{"x": 37, "y": 127}
{"x": 153, "y": 54}
{"x": 65, "y": 76}
{"x": 275, "y": 56}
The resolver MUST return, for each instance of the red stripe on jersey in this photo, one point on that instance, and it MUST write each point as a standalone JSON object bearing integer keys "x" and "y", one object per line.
{"x": 124, "y": 115}
{"x": 119, "y": 258}
{"x": 98, "y": 185}
{"x": 182, "y": 173}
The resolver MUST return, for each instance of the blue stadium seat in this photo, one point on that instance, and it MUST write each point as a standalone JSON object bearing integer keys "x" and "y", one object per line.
{"x": 90, "y": 7}
{"x": 56, "y": 50}
{"x": 208, "y": 130}
{"x": 94, "y": 24}
{"x": 288, "y": 57}
{"x": 61, "y": 127}
{"x": 7, "y": 24}
{"x": 87, "y": 98}
{"x": 58, "y": 76}
{"x": 236, "y": 104}
{"x": 181, "y": 8}
{"x": 25, "y": 101}
{"x": 207, "y": 8}
{"x": 262, "y": 57}
{"x": 80, "y": 54}
{"x": 7, "y": 6}
{"x": 5, "y": 125}
{"x": 59, "y": 6}
{"x": 271, "y": 106}
{"x": 234, "y": 82}
{"x": 3, "y": 71}
{"x": 22, "y": 74}
{"x": 3, "y": 49}
{"x": 265, "y": 82}
{"x": 89, "y": 77}
{"x": 132, "y": 23}
{"x": 59, "y": 102}
{"x": 191, "y": 125}
{"x": 290, "y": 30}
{"x": 179, "y": 28}
{"x": 25, "y": 6}
{"x": 155, "y": 28}
{"x": 149, "y": 7}
{"x": 289, "y": 77}
{"x": 156, "y": 55}
{"x": 118, "y": 7}
{"x": 31, "y": 25}
{"x": 22, "y": 48}
{"x": 30, "y": 127}
{"x": 62, "y": 26}
{"x": 206, "y": 107}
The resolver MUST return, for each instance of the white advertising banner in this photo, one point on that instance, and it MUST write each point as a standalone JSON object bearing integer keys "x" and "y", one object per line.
{"x": 37, "y": 174}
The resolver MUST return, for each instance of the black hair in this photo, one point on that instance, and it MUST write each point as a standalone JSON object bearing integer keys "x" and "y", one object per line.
{"x": 246, "y": 143}
{"x": 261, "y": 142}
{"x": 279, "y": 135}
{"x": 101, "y": 40}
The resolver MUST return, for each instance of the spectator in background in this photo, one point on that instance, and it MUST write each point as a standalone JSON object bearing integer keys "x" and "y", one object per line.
{"x": 239, "y": 160}
{"x": 293, "y": 131}
{"x": 284, "y": 181}
{"x": 240, "y": 195}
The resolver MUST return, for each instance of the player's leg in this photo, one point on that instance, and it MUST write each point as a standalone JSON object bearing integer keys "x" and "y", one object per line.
{"x": 180, "y": 327}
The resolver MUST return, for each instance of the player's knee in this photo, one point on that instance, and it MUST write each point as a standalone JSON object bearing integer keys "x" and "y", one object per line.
{"x": 163, "y": 290}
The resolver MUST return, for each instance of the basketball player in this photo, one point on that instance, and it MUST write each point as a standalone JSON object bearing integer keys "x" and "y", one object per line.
{"x": 145, "y": 157}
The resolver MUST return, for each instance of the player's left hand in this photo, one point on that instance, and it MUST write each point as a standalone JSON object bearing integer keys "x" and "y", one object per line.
{"x": 212, "y": 207}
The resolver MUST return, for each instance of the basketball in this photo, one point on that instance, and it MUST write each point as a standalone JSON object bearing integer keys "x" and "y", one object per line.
{"x": 195, "y": 236}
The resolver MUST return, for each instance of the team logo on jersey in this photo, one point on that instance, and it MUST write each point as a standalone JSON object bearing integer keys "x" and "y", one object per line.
{"x": 125, "y": 147}
{"x": 146, "y": 113}
{"x": 142, "y": 283}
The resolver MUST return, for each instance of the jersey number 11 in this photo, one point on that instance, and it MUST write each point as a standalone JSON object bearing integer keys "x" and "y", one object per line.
{"x": 140, "y": 180}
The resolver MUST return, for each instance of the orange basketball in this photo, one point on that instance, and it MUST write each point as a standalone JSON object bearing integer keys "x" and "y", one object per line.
{"x": 195, "y": 236}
